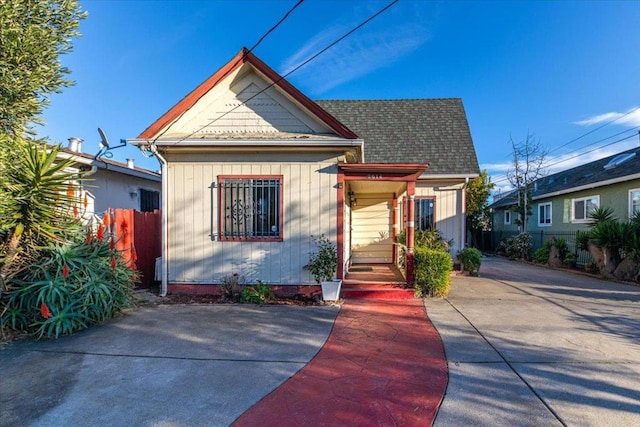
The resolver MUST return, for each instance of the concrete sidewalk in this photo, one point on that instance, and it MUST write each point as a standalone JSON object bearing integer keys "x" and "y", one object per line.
{"x": 532, "y": 346}
{"x": 169, "y": 365}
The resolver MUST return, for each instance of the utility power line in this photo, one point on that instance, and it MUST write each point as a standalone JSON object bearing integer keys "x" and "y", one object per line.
{"x": 323, "y": 50}
{"x": 264, "y": 36}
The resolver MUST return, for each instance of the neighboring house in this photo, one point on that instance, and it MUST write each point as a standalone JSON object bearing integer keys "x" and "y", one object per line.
{"x": 561, "y": 202}
{"x": 252, "y": 168}
{"x": 111, "y": 184}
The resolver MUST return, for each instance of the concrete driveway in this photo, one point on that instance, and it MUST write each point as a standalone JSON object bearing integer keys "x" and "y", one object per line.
{"x": 527, "y": 345}
{"x": 170, "y": 365}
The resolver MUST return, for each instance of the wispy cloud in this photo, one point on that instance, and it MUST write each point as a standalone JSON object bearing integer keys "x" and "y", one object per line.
{"x": 630, "y": 117}
{"x": 359, "y": 54}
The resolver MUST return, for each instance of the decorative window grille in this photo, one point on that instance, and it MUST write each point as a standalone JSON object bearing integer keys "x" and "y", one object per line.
{"x": 250, "y": 208}
{"x": 425, "y": 209}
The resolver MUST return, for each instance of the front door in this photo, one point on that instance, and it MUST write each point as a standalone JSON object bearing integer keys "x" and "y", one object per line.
{"x": 371, "y": 229}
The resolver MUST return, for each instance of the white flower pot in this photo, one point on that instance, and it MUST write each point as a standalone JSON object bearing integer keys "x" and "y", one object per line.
{"x": 331, "y": 290}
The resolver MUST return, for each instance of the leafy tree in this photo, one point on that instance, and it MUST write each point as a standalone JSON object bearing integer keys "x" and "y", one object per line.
{"x": 33, "y": 34}
{"x": 528, "y": 160}
{"x": 477, "y": 205}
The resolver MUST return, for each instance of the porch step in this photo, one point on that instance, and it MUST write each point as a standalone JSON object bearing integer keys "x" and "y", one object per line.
{"x": 376, "y": 291}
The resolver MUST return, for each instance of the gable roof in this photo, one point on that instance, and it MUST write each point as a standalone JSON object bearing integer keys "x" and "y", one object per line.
{"x": 242, "y": 58}
{"x": 583, "y": 177}
{"x": 433, "y": 131}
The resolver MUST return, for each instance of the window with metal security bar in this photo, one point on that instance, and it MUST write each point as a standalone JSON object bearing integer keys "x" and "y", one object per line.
{"x": 149, "y": 200}
{"x": 425, "y": 209}
{"x": 250, "y": 208}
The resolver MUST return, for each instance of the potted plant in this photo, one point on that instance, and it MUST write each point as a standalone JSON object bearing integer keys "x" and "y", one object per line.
{"x": 323, "y": 265}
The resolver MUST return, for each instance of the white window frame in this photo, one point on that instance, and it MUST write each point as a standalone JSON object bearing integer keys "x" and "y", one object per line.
{"x": 631, "y": 206}
{"x": 507, "y": 217}
{"x": 548, "y": 218}
{"x": 585, "y": 213}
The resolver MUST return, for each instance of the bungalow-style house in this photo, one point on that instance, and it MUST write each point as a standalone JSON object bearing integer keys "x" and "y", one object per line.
{"x": 252, "y": 168}
{"x": 111, "y": 184}
{"x": 561, "y": 202}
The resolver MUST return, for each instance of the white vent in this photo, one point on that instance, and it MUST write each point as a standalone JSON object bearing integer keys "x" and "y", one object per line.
{"x": 75, "y": 144}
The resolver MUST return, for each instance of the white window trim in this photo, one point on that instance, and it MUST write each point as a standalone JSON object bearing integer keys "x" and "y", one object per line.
{"x": 631, "y": 191}
{"x": 573, "y": 209}
{"x": 550, "y": 223}
{"x": 507, "y": 221}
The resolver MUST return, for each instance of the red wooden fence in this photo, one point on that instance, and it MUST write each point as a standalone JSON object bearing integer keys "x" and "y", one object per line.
{"x": 139, "y": 238}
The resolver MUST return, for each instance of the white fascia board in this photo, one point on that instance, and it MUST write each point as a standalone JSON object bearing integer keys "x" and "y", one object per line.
{"x": 449, "y": 176}
{"x": 151, "y": 176}
{"x": 250, "y": 142}
{"x": 588, "y": 186}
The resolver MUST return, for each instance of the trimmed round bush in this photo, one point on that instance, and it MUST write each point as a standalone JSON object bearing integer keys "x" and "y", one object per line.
{"x": 433, "y": 272}
{"x": 471, "y": 258}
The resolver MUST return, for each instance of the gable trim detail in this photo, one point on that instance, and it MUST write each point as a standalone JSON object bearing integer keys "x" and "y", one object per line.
{"x": 243, "y": 57}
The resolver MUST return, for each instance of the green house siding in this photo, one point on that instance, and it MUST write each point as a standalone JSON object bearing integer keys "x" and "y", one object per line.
{"x": 614, "y": 196}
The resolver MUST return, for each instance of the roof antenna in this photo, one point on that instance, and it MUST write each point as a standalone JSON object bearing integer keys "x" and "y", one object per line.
{"x": 105, "y": 147}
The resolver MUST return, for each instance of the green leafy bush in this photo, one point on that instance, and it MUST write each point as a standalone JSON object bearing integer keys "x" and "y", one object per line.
{"x": 428, "y": 239}
{"x": 259, "y": 293}
{"x": 471, "y": 258}
{"x": 517, "y": 247}
{"x": 324, "y": 262}
{"x": 433, "y": 272}
{"x": 75, "y": 285}
{"x": 541, "y": 255}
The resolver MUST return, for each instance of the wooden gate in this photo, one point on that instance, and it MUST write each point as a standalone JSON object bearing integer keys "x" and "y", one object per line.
{"x": 139, "y": 238}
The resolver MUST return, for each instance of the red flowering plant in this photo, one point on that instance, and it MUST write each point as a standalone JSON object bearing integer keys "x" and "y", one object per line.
{"x": 78, "y": 283}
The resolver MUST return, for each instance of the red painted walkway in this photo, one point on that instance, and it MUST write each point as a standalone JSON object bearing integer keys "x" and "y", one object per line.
{"x": 383, "y": 364}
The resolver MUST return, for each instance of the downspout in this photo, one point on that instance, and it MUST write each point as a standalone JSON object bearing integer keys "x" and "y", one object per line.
{"x": 463, "y": 220}
{"x": 165, "y": 227}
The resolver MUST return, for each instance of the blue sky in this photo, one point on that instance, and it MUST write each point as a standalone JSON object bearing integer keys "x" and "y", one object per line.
{"x": 556, "y": 69}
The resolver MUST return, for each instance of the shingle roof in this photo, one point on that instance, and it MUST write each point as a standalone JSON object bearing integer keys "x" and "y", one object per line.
{"x": 433, "y": 131}
{"x": 590, "y": 174}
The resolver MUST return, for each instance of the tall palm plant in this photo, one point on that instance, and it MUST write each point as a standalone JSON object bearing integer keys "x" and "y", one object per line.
{"x": 37, "y": 204}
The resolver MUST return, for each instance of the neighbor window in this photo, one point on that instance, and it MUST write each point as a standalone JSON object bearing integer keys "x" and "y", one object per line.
{"x": 634, "y": 202}
{"x": 583, "y": 207}
{"x": 507, "y": 217}
{"x": 149, "y": 200}
{"x": 250, "y": 208}
{"x": 424, "y": 215}
{"x": 544, "y": 214}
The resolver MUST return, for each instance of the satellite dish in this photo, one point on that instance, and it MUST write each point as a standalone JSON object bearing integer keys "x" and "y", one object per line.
{"x": 103, "y": 138}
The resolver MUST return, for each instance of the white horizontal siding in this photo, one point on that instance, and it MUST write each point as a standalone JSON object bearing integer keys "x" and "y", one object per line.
{"x": 372, "y": 223}
{"x": 448, "y": 210}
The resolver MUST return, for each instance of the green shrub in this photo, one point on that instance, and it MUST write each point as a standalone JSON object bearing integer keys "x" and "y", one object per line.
{"x": 73, "y": 286}
{"x": 471, "y": 258}
{"x": 260, "y": 293}
{"x": 428, "y": 239}
{"x": 517, "y": 247}
{"x": 541, "y": 255}
{"x": 433, "y": 272}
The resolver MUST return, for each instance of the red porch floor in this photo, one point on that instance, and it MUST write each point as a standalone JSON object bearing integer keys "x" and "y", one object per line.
{"x": 383, "y": 364}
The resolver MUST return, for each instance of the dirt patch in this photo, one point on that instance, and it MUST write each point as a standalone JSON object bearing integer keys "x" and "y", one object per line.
{"x": 148, "y": 297}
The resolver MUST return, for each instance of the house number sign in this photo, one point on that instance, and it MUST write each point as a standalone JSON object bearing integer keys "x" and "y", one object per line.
{"x": 374, "y": 176}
